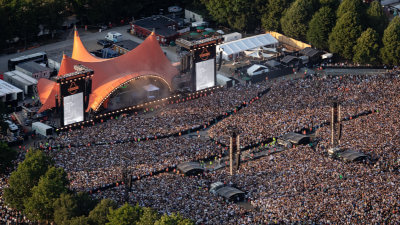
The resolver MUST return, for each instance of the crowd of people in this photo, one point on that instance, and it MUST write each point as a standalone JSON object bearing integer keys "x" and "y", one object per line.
{"x": 166, "y": 120}
{"x": 300, "y": 184}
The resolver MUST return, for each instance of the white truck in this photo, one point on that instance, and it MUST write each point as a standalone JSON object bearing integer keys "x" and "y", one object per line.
{"x": 114, "y": 36}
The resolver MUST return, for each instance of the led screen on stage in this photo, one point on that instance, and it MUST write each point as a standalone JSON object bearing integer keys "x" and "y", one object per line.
{"x": 73, "y": 109}
{"x": 205, "y": 74}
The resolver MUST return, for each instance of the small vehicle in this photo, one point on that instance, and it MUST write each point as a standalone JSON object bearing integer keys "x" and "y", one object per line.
{"x": 104, "y": 43}
{"x": 113, "y": 36}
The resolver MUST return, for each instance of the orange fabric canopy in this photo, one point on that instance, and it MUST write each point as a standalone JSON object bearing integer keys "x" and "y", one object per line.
{"x": 147, "y": 59}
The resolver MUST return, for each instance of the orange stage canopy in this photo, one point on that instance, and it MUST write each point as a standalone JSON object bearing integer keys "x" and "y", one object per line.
{"x": 147, "y": 59}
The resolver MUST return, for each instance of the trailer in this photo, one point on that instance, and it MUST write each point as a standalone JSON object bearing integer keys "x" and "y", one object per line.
{"x": 42, "y": 129}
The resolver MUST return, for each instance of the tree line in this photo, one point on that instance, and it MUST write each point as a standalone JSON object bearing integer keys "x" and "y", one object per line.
{"x": 356, "y": 31}
{"x": 40, "y": 190}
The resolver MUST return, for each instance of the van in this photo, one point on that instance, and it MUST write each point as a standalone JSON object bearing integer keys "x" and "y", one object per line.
{"x": 114, "y": 36}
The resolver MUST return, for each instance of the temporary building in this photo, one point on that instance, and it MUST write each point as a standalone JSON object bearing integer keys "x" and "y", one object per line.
{"x": 231, "y": 49}
{"x": 21, "y": 80}
{"x": 9, "y": 92}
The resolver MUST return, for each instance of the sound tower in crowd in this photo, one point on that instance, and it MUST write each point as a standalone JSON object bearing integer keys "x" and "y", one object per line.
{"x": 234, "y": 150}
{"x": 336, "y": 124}
{"x": 75, "y": 89}
{"x": 200, "y": 62}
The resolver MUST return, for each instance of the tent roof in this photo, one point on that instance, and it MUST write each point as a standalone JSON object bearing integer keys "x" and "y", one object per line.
{"x": 296, "y": 138}
{"x": 311, "y": 52}
{"x": 228, "y": 191}
{"x": 189, "y": 167}
{"x": 79, "y": 52}
{"x": 244, "y": 44}
{"x": 287, "y": 59}
{"x": 255, "y": 67}
{"x": 147, "y": 59}
{"x": 273, "y": 63}
{"x": 351, "y": 155}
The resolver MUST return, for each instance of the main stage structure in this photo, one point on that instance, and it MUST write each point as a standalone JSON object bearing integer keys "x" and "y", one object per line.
{"x": 107, "y": 75}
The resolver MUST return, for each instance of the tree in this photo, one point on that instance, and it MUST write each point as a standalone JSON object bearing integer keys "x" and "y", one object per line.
{"x": 149, "y": 217}
{"x": 40, "y": 205}
{"x": 85, "y": 203}
{"x": 125, "y": 215}
{"x": 320, "y": 27}
{"x": 355, "y": 6}
{"x": 333, "y": 4}
{"x": 377, "y": 19}
{"x": 367, "y": 48}
{"x": 270, "y": 19}
{"x": 7, "y": 155}
{"x": 81, "y": 220}
{"x": 390, "y": 53}
{"x": 295, "y": 20}
{"x": 345, "y": 34}
{"x": 65, "y": 208}
{"x": 99, "y": 214}
{"x": 239, "y": 14}
{"x": 173, "y": 219}
{"x": 25, "y": 178}
{"x": 52, "y": 14}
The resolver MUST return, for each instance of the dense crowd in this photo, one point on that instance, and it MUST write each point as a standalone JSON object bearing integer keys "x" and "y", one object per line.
{"x": 301, "y": 184}
{"x": 292, "y": 105}
{"x": 96, "y": 166}
{"x": 166, "y": 120}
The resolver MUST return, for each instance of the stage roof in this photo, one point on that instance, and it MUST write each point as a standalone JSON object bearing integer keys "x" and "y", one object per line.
{"x": 147, "y": 59}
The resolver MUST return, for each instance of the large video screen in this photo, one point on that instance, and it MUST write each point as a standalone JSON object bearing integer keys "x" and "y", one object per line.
{"x": 73, "y": 109}
{"x": 205, "y": 74}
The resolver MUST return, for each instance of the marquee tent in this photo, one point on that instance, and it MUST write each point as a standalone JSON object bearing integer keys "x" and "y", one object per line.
{"x": 241, "y": 45}
{"x": 147, "y": 59}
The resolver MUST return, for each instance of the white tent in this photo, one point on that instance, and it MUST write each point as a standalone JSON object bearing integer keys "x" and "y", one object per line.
{"x": 235, "y": 47}
{"x": 257, "y": 70}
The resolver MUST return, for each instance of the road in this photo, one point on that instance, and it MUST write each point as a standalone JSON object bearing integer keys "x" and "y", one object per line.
{"x": 89, "y": 39}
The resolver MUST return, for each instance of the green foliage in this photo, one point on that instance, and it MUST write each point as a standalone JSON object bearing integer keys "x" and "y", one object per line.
{"x": 125, "y": 215}
{"x": 270, "y": 19}
{"x": 345, "y": 34}
{"x": 85, "y": 203}
{"x": 173, "y": 219}
{"x": 377, "y": 19}
{"x": 242, "y": 15}
{"x": 333, "y": 4}
{"x": 81, "y": 220}
{"x": 355, "y": 6}
{"x": 320, "y": 27}
{"x": 149, "y": 217}
{"x": 7, "y": 155}
{"x": 99, "y": 214}
{"x": 390, "y": 53}
{"x": 65, "y": 208}
{"x": 367, "y": 47}
{"x": 40, "y": 205}
{"x": 295, "y": 20}
{"x": 25, "y": 178}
